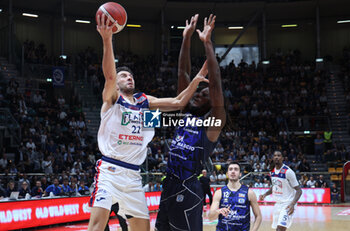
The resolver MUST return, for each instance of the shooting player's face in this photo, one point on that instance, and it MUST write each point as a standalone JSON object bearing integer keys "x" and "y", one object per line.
{"x": 125, "y": 81}
{"x": 233, "y": 172}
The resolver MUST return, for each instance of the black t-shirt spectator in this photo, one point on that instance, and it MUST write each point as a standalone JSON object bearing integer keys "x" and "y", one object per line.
{"x": 9, "y": 191}
{"x": 37, "y": 191}
{"x": 23, "y": 192}
{"x": 334, "y": 190}
{"x": 321, "y": 182}
{"x": 205, "y": 182}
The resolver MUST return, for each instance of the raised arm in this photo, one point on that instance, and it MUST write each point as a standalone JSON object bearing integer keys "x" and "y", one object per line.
{"x": 215, "y": 88}
{"x": 184, "y": 68}
{"x": 256, "y": 210}
{"x": 110, "y": 92}
{"x": 180, "y": 101}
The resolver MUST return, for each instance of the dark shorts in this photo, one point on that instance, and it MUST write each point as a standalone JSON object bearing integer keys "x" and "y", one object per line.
{"x": 181, "y": 205}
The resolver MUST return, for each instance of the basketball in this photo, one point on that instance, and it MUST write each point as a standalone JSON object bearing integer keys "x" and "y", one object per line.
{"x": 115, "y": 12}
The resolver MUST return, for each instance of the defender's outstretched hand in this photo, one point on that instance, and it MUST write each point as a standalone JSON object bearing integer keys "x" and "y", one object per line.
{"x": 190, "y": 27}
{"x": 209, "y": 25}
{"x": 103, "y": 28}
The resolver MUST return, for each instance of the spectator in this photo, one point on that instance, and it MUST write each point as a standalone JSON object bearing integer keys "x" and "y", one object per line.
{"x": 213, "y": 178}
{"x": 311, "y": 183}
{"x": 66, "y": 190}
{"x": 258, "y": 183}
{"x": 221, "y": 178}
{"x": 30, "y": 144}
{"x": 47, "y": 165}
{"x": 319, "y": 149}
{"x": 37, "y": 190}
{"x": 83, "y": 189}
{"x": 148, "y": 187}
{"x": 73, "y": 185}
{"x": 205, "y": 183}
{"x": 334, "y": 194}
{"x": 158, "y": 187}
{"x": 321, "y": 182}
{"x": 266, "y": 183}
{"x": 304, "y": 166}
{"x": 44, "y": 183}
{"x": 10, "y": 188}
{"x": 24, "y": 190}
{"x": 55, "y": 188}
{"x": 3, "y": 161}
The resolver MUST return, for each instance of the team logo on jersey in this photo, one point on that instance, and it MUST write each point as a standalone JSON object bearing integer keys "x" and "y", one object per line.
{"x": 180, "y": 198}
{"x": 151, "y": 118}
{"x": 179, "y": 138}
{"x": 241, "y": 200}
{"x": 129, "y": 117}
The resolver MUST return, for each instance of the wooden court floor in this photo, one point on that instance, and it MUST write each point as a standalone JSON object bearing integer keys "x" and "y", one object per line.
{"x": 320, "y": 218}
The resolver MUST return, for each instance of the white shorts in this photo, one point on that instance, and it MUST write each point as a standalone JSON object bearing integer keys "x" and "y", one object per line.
{"x": 280, "y": 215}
{"x": 115, "y": 184}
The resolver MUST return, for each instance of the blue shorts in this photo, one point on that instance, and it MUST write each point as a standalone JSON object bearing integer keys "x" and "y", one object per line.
{"x": 181, "y": 205}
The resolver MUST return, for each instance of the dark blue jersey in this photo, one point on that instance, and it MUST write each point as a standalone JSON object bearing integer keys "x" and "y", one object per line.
{"x": 239, "y": 216}
{"x": 189, "y": 149}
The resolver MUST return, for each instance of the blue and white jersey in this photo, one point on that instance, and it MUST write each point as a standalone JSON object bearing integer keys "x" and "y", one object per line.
{"x": 283, "y": 183}
{"x": 189, "y": 148}
{"x": 239, "y": 217}
{"x": 121, "y": 134}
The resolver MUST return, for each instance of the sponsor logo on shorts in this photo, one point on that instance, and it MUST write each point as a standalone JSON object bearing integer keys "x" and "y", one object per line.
{"x": 283, "y": 223}
{"x": 111, "y": 168}
{"x": 100, "y": 199}
{"x": 179, "y": 198}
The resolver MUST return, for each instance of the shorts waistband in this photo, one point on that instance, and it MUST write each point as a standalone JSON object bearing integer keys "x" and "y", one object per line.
{"x": 121, "y": 163}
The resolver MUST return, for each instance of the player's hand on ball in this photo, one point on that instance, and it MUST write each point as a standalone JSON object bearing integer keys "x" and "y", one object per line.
{"x": 209, "y": 25}
{"x": 290, "y": 209}
{"x": 190, "y": 27}
{"x": 103, "y": 28}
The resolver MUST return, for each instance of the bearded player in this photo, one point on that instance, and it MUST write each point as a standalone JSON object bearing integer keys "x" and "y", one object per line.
{"x": 122, "y": 140}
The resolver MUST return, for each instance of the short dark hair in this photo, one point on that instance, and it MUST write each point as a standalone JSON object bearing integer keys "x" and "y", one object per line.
{"x": 278, "y": 151}
{"x": 234, "y": 162}
{"x": 124, "y": 68}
